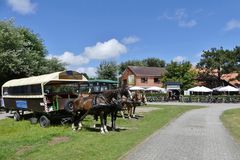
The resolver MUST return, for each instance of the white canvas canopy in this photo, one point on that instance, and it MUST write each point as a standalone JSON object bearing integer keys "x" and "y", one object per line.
{"x": 228, "y": 89}
{"x": 46, "y": 78}
{"x": 217, "y": 88}
{"x": 155, "y": 88}
{"x": 135, "y": 88}
{"x": 200, "y": 89}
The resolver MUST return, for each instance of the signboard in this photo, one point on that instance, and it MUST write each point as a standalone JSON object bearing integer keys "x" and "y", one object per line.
{"x": 175, "y": 86}
{"x": 21, "y": 104}
{"x": 131, "y": 79}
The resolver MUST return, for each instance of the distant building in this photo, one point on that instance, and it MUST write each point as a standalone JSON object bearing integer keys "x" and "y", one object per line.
{"x": 210, "y": 79}
{"x": 143, "y": 76}
{"x": 231, "y": 78}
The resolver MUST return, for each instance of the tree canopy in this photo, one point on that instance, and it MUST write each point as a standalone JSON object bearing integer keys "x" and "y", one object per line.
{"x": 107, "y": 70}
{"x": 148, "y": 62}
{"x": 23, "y": 54}
{"x": 180, "y": 72}
{"x": 220, "y": 61}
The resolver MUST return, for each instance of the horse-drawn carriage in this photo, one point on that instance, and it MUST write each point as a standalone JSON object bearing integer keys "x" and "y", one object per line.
{"x": 59, "y": 95}
{"x": 47, "y": 96}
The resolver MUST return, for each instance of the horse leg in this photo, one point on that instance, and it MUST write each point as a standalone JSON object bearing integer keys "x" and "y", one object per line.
{"x": 105, "y": 123}
{"x": 102, "y": 123}
{"x": 122, "y": 114}
{"x": 113, "y": 121}
{"x": 129, "y": 111}
{"x": 133, "y": 112}
{"x": 95, "y": 119}
{"x": 78, "y": 122}
{"x": 76, "y": 119}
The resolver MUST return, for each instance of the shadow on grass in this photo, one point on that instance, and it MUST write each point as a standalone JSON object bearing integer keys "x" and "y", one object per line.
{"x": 97, "y": 129}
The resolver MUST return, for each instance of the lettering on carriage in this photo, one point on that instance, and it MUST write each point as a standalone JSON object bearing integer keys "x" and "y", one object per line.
{"x": 21, "y": 104}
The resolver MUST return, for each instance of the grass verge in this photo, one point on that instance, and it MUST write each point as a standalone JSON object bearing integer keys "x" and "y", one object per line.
{"x": 21, "y": 140}
{"x": 231, "y": 120}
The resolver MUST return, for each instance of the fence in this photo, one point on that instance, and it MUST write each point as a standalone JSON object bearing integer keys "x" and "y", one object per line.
{"x": 211, "y": 98}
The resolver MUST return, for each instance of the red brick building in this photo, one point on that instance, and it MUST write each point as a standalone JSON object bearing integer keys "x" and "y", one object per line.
{"x": 143, "y": 76}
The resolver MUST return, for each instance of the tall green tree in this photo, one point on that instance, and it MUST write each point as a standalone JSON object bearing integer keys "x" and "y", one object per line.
{"x": 180, "y": 72}
{"x": 153, "y": 62}
{"x": 219, "y": 61}
{"x": 22, "y": 53}
{"x": 214, "y": 59}
{"x": 124, "y": 65}
{"x": 107, "y": 70}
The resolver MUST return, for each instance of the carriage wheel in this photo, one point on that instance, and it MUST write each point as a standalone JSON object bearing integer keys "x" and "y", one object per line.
{"x": 16, "y": 116}
{"x": 44, "y": 121}
{"x": 69, "y": 106}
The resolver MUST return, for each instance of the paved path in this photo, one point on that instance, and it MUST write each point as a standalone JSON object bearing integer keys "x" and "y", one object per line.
{"x": 196, "y": 135}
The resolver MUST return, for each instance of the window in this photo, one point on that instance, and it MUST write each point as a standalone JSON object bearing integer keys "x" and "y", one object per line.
{"x": 23, "y": 90}
{"x": 156, "y": 80}
{"x": 144, "y": 80}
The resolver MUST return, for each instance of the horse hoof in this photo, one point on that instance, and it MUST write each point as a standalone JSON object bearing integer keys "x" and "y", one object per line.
{"x": 102, "y": 132}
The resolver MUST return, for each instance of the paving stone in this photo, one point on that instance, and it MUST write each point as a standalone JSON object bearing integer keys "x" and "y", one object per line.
{"x": 196, "y": 135}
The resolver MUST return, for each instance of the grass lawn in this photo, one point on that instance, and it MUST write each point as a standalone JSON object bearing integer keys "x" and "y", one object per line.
{"x": 231, "y": 120}
{"x": 21, "y": 140}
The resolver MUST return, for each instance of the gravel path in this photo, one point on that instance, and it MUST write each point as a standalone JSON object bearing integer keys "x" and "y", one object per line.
{"x": 196, "y": 135}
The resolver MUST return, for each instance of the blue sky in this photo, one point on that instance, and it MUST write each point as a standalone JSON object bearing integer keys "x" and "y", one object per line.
{"x": 82, "y": 33}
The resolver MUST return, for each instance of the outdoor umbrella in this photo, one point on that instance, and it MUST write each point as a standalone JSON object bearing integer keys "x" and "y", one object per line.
{"x": 155, "y": 88}
{"x": 200, "y": 89}
{"x": 217, "y": 88}
{"x": 135, "y": 88}
{"x": 228, "y": 89}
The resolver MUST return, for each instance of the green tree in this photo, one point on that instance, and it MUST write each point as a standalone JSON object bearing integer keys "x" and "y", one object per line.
{"x": 213, "y": 59}
{"x": 180, "y": 72}
{"x": 149, "y": 62}
{"x": 22, "y": 53}
{"x": 107, "y": 70}
{"x": 153, "y": 62}
{"x": 219, "y": 61}
{"x": 124, "y": 65}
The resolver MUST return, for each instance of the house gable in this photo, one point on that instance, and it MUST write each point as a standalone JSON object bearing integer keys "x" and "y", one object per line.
{"x": 143, "y": 76}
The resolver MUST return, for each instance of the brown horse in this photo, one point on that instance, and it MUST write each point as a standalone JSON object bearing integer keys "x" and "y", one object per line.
{"x": 82, "y": 106}
{"x": 137, "y": 99}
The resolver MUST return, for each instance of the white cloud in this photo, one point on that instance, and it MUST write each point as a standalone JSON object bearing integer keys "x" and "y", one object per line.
{"x": 181, "y": 17}
{"x": 91, "y": 71}
{"x": 130, "y": 40}
{"x": 232, "y": 24}
{"x": 102, "y": 50}
{"x": 22, "y": 6}
{"x": 105, "y": 50}
{"x": 179, "y": 59}
{"x": 188, "y": 24}
{"x": 71, "y": 59}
